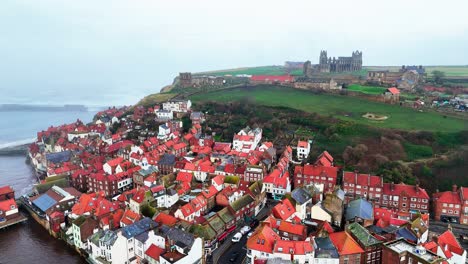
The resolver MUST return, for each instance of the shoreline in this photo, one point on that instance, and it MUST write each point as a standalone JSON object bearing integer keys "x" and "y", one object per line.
{"x": 18, "y": 150}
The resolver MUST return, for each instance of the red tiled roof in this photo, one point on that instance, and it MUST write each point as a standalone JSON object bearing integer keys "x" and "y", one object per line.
{"x": 212, "y": 191}
{"x": 362, "y": 179}
{"x": 219, "y": 180}
{"x": 289, "y": 227}
{"x": 447, "y": 239}
{"x": 129, "y": 217}
{"x": 115, "y": 162}
{"x": 263, "y": 239}
{"x": 410, "y": 190}
{"x": 316, "y": 170}
{"x": 448, "y": 197}
{"x": 464, "y": 192}
{"x": 345, "y": 244}
{"x": 294, "y": 247}
{"x": 393, "y": 90}
{"x": 139, "y": 196}
{"x": 277, "y": 179}
{"x": 184, "y": 177}
{"x": 187, "y": 209}
{"x": 283, "y": 210}
{"x": 165, "y": 219}
{"x": 273, "y": 78}
{"x": 154, "y": 252}
{"x": 302, "y": 144}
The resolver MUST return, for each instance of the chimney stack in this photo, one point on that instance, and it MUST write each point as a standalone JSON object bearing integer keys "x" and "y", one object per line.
{"x": 392, "y": 186}
{"x": 454, "y": 188}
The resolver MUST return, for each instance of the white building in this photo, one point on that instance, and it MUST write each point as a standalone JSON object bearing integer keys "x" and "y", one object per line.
{"x": 118, "y": 247}
{"x": 164, "y": 132}
{"x": 177, "y": 105}
{"x": 303, "y": 149}
{"x": 303, "y": 200}
{"x": 164, "y": 115}
{"x": 164, "y": 197}
{"x": 247, "y": 139}
{"x": 317, "y": 212}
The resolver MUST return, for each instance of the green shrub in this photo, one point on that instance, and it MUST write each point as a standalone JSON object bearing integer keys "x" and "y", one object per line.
{"x": 414, "y": 152}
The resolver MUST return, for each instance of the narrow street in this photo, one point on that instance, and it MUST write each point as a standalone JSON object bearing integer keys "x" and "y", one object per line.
{"x": 223, "y": 253}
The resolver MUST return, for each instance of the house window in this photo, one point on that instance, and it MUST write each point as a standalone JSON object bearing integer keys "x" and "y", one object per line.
{"x": 404, "y": 204}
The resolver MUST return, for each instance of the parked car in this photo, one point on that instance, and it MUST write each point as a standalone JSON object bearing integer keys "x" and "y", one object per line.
{"x": 245, "y": 229}
{"x": 249, "y": 234}
{"x": 234, "y": 256}
{"x": 237, "y": 237}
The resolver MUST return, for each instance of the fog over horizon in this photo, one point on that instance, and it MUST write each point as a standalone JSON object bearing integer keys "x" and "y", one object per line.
{"x": 117, "y": 51}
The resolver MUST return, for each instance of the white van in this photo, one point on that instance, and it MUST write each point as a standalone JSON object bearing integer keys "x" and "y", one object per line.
{"x": 237, "y": 237}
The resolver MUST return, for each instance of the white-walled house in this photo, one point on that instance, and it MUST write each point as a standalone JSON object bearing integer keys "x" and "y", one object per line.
{"x": 317, "y": 212}
{"x": 303, "y": 200}
{"x": 164, "y": 115}
{"x": 118, "y": 246}
{"x": 144, "y": 240}
{"x": 247, "y": 139}
{"x": 178, "y": 105}
{"x": 303, "y": 149}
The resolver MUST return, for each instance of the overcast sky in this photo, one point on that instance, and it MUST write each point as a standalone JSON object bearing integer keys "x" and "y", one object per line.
{"x": 94, "y": 51}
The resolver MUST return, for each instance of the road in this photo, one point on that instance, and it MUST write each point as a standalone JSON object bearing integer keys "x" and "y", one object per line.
{"x": 223, "y": 252}
{"x": 438, "y": 227}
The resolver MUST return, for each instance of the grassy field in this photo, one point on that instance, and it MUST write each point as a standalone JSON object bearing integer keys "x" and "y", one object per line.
{"x": 450, "y": 71}
{"x": 366, "y": 89}
{"x": 342, "y": 107}
{"x": 152, "y": 99}
{"x": 262, "y": 70}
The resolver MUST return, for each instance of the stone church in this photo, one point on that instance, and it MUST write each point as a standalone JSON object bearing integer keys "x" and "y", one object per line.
{"x": 329, "y": 64}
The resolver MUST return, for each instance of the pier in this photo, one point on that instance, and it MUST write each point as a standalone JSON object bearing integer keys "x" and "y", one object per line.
{"x": 20, "y": 219}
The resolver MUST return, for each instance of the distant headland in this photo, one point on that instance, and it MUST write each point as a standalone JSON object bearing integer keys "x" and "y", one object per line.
{"x": 43, "y": 108}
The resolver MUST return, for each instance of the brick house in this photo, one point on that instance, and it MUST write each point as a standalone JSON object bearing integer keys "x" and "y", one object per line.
{"x": 405, "y": 198}
{"x": 357, "y": 185}
{"x": 348, "y": 249}
{"x": 242, "y": 207}
{"x": 404, "y": 252}
{"x": 451, "y": 205}
{"x": 372, "y": 246}
{"x": 309, "y": 174}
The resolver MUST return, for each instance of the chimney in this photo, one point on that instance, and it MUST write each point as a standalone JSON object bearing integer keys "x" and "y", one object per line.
{"x": 416, "y": 187}
{"x": 435, "y": 239}
{"x": 454, "y": 188}
{"x": 392, "y": 186}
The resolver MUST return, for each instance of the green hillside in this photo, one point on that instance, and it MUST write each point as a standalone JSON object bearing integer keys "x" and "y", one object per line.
{"x": 342, "y": 107}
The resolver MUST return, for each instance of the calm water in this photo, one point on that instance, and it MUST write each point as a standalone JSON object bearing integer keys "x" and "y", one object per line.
{"x": 29, "y": 242}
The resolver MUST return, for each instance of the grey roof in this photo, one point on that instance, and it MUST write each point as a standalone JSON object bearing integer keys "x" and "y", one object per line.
{"x": 340, "y": 194}
{"x": 148, "y": 171}
{"x": 142, "y": 237}
{"x": 167, "y": 159}
{"x": 58, "y": 157}
{"x": 182, "y": 239}
{"x": 139, "y": 227}
{"x": 324, "y": 248}
{"x": 94, "y": 238}
{"x": 109, "y": 237}
{"x": 301, "y": 196}
{"x": 359, "y": 208}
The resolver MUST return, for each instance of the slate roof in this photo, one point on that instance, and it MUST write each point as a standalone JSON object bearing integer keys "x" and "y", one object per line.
{"x": 139, "y": 227}
{"x": 58, "y": 157}
{"x": 181, "y": 238}
{"x": 167, "y": 159}
{"x": 300, "y": 195}
{"x": 325, "y": 248}
{"x": 359, "y": 208}
{"x": 109, "y": 237}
